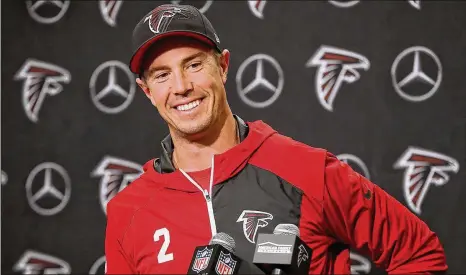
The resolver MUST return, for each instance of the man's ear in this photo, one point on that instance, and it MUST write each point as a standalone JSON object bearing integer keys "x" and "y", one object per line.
{"x": 224, "y": 64}
{"x": 142, "y": 84}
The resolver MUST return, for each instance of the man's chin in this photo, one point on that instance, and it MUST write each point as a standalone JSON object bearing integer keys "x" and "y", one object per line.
{"x": 192, "y": 128}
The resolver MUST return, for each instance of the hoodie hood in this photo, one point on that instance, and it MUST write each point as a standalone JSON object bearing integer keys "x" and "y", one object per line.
{"x": 252, "y": 135}
{"x": 165, "y": 164}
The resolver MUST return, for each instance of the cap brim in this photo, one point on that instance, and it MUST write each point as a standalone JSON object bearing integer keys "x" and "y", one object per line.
{"x": 138, "y": 56}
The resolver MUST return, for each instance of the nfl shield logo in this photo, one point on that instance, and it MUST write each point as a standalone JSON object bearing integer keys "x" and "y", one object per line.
{"x": 202, "y": 259}
{"x": 225, "y": 265}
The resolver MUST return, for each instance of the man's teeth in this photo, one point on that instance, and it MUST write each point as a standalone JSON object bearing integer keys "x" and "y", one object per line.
{"x": 189, "y": 106}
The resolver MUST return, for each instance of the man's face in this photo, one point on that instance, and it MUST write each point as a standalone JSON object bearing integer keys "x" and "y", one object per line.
{"x": 184, "y": 79}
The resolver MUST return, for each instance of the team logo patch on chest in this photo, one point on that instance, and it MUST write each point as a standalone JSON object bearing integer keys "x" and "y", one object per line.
{"x": 252, "y": 220}
{"x": 225, "y": 265}
{"x": 202, "y": 259}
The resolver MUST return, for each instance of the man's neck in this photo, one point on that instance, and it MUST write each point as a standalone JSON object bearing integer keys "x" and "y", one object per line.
{"x": 197, "y": 155}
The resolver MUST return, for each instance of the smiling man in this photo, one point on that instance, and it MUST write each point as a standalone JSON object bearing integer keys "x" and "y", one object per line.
{"x": 218, "y": 173}
{"x": 184, "y": 79}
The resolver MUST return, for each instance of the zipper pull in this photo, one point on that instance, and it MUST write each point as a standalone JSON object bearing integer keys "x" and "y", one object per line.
{"x": 207, "y": 196}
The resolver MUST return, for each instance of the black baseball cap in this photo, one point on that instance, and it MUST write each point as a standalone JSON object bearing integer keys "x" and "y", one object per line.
{"x": 170, "y": 20}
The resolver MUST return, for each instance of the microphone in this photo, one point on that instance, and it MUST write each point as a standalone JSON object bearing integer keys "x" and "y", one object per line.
{"x": 282, "y": 252}
{"x": 216, "y": 258}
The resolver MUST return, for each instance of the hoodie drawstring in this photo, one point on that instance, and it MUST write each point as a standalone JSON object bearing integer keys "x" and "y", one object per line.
{"x": 207, "y": 196}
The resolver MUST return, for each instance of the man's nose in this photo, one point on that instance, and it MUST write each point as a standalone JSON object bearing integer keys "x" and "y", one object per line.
{"x": 182, "y": 84}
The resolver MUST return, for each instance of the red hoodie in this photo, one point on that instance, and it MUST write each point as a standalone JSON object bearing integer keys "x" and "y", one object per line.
{"x": 156, "y": 222}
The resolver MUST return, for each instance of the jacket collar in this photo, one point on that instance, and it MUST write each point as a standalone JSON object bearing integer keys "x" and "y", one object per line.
{"x": 165, "y": 165}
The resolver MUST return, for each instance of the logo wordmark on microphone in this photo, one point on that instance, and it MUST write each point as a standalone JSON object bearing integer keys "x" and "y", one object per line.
{"x": 225, "y": 265}
{"x": 202, "y": 259}
{"x": 269, "y": 247}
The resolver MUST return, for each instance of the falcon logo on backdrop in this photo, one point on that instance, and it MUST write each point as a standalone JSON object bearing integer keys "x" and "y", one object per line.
{"x": 302, "y": 255}
{"x": 159, "y": 21}
{"x": 33, "y": 262}
{"x": 335, "y": 66}
{"x": 202, "y": 9}
{"x": 359, "y": 264}
{"x": 47, "y": 11}
{"x": 39, "y": 80}
{"x": 116, "y": 174}
{"x": 252, "y": 220}
{"x": 109, "y": 10}
{"x": 423, "y": 168}
{"x": 257, "y": 7}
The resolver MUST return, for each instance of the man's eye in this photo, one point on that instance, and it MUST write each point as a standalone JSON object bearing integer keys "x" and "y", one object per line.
{"x": 161, "y": 76}
{"x": 195, "y": 65}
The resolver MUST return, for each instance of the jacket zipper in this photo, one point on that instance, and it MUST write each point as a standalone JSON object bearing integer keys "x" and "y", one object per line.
{"x": 210, "y": 210}
{"x": 207, "y": 197}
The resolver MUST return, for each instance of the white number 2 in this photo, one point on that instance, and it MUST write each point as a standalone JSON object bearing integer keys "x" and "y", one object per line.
{"x": 163, "y": 257}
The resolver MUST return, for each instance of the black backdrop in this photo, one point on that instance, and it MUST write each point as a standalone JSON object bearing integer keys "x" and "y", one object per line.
{"x": 396, "y": 101}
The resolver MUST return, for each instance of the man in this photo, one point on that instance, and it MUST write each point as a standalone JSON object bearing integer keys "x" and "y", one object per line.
{"x": 218, "y": 173}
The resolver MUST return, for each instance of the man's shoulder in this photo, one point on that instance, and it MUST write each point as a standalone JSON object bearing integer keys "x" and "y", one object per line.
{"x": 300, "y": 154}
{"x": 299, "y": 164}
{"x": 287, "y": 146}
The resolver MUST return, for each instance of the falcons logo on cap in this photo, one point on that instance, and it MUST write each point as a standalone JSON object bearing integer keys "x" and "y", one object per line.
{"x": 109, "y": 10}
{"x": 335, "y": 66}
{"x": 115, "y": 175}
{"x": 423, "y": 168}
{"x": 161, "y": 18}
{"x": 302, "y": 255}
{"x": 33, "y": 262}
{"x": 40, "y": 79}
{"x": 252, "y": 220}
